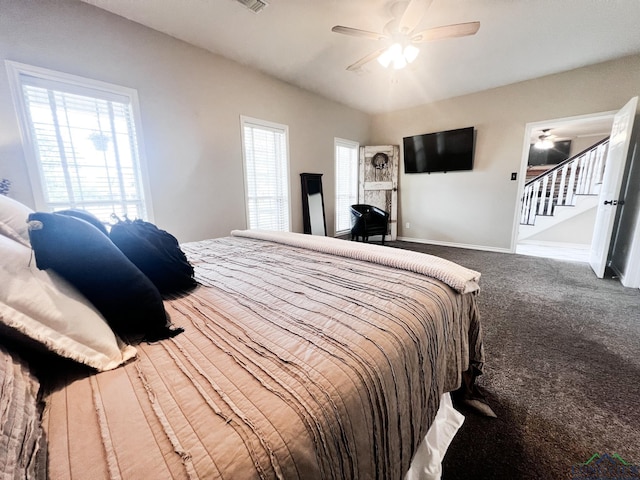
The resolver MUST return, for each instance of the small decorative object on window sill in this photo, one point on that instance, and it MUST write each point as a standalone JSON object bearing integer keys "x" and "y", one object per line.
{"x": 5, "y": 183}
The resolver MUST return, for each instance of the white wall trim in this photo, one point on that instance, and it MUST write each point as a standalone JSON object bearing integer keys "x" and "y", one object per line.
{"x": 456, "y": 245}
{"x": 343, "y": 142}
{"x": 546, "y": 243}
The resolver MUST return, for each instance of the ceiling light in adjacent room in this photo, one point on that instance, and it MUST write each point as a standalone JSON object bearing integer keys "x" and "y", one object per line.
{"x": 544, "y": 141}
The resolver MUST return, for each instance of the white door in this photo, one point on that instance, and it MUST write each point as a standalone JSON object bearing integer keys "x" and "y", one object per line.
{"x": 611, "y": 183}
{"x": 378, "y": 184}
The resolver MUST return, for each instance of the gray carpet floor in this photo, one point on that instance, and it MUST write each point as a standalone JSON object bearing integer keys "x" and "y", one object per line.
{"x": 562, "y": 368}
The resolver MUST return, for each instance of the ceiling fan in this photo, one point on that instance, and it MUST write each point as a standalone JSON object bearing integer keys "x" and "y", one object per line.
{"x": 545, "y": 141}
{"x": 400, "y": 31}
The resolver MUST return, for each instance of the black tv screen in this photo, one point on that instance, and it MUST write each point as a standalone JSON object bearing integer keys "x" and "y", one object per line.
{"x": 552, "y": 156}
{"x": 446, "y": 151}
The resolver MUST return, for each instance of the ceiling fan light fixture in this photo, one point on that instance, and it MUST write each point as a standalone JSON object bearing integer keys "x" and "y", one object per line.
{"x": 544, "y": 141}
{"x": 407, "y": 15}
{"x": 411, "y": 53}
{"x": 386, "y": 57}
{"x": 398, "y": 56}
{"x": 399, "y": 62}
{"x": 544, "y": 144}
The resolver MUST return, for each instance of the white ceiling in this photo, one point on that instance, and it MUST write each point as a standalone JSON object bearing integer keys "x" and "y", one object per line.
{"x": 292, "y": 40}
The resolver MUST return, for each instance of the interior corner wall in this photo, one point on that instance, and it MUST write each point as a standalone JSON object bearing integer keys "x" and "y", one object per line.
{"x": 190, "y": 100}
{"x": 478, "y": 208}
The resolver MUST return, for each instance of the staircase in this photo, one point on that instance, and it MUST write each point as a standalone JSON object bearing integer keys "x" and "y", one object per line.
{"x": 566, "y": 190}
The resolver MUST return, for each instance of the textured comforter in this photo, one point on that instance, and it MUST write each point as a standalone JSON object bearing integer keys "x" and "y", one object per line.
{"x": 294, "y": 364}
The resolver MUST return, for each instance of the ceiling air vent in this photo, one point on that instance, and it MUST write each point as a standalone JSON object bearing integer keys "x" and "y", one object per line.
{"x": 255, "y": 6}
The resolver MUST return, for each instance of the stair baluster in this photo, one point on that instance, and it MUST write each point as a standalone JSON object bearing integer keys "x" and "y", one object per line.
{"x": 553, "y": 195}
{"x": 543, "y": 195}
{"x": 561, "y": 191}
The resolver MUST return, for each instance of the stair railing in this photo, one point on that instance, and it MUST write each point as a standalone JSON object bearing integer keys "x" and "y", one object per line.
{"x": 578, "y": 175}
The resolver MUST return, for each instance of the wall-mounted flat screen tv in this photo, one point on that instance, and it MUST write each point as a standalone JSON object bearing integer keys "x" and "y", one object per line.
{"x": 446, "y": 151}
{"x": 552, "y": 156}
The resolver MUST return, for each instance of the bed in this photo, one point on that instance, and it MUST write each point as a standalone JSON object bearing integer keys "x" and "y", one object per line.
{"x": 301, "y": 357}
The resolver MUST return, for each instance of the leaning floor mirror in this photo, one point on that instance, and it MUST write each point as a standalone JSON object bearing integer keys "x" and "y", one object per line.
{"x": 313, "y": 204}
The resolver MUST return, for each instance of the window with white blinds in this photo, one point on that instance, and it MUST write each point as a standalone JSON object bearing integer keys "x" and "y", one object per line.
{"x": 346, "y": 153}
{"x": 82, "y": 138}
{"x": 266, "y": 161}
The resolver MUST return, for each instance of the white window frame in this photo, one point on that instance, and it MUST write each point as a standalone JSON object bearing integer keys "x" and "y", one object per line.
{"x": 355, "y": 146}
{"x": 79, "y": 85}
{"x": 284, "y": 129}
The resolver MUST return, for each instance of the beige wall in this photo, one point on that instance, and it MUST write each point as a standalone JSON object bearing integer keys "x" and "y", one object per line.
{"x": 191, "y": 102}
{"x": 478, "y": 208}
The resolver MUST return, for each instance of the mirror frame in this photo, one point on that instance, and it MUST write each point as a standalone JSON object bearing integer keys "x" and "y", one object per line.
{"x": 312, "y": 184}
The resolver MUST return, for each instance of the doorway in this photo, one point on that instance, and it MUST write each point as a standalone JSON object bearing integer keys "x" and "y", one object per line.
{"x": 565, "y": 137}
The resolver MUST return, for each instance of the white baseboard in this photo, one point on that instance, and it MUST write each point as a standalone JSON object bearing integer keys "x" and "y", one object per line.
{"x": 544, "y": 243}
{"x": 456, "y": 245}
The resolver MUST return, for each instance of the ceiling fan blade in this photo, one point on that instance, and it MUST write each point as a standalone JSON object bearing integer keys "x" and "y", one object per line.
{"x": 413, "y": 15}
{"x": 448, "y": 31}
{"x": 356, "y": 32}
{"x": 364, "y": 60}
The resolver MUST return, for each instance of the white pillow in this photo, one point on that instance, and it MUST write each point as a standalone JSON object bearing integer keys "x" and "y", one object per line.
{"x": 13, "y": 220}
{"x": 46, "y": 308}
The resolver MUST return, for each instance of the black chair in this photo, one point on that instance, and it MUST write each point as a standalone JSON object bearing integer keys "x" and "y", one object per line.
{"x": 367, "y": 220}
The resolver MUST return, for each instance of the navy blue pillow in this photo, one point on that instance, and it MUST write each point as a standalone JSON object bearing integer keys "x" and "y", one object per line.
{"x": 89, "y": 260}
{"x": 86, "y": 216}
{"x": 156, "y": 253}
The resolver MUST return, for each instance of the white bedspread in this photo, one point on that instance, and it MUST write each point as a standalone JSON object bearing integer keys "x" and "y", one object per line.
{"x": 459, "y": 278}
